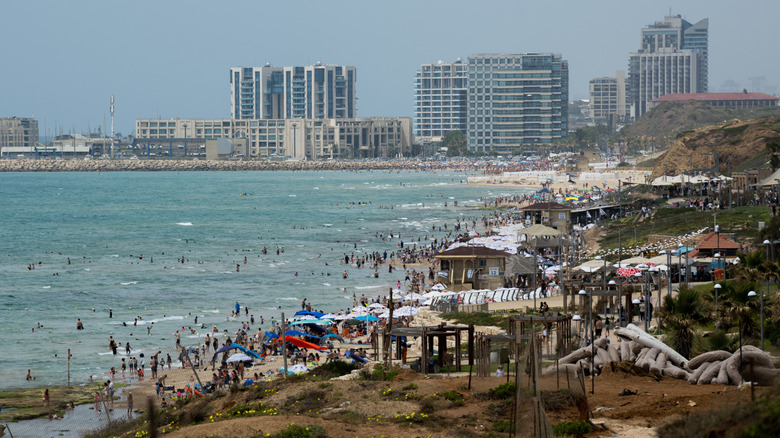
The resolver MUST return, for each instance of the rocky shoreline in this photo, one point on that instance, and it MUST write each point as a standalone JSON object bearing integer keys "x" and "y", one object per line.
{"x": 192, "y": 165}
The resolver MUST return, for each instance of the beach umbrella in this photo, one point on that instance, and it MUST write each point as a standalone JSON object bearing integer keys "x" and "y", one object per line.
{"x": 572, "y": 198}
{"x": 333, "y": 335}
{"x": 305, "y": 317}
{"x": 377, "y": 306}
{"x": 367, "y": 318}
{"x": 239, "y": 357}
{"x": 312, "y": 321}
{"x": 298, "y": 369}
{"x": 329, "y": 316}
{"x": 628, "y": 271}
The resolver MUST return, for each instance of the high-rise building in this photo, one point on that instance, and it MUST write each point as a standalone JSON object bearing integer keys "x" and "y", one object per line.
{"x": 306, "y": 92}
{"x": 517, "y": 100}
{"x": 608, "y": 102}
{"x": 17, "y": 135}
{"x": 673, "y": 59}
{"x": 440, "y": 99}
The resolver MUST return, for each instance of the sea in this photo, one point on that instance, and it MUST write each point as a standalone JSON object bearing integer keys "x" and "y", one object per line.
{"x": 109, "y": 248}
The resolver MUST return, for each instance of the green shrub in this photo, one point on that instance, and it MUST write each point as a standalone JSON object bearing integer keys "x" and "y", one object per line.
{"x": 454, "y": 397}
{"x": 572, "y": 428}
{"x": 295, "y": 431}
{"x": 410, "y": 387}
{"x": 502, "y": 426}
{"x": 334, "y": 368}
{"x": 503, "y": 391}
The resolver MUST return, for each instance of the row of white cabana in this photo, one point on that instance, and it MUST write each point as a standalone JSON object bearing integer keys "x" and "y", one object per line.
{"x": 658, "y": 263}
{"x": 665, "y": 180}
{"x": 482, "y": 296}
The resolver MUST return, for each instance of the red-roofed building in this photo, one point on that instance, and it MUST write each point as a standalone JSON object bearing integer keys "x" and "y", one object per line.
{"x": 714, "y": 243}
{"x": 724, "y": 100}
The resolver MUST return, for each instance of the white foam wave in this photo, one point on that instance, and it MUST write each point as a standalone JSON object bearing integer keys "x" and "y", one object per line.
{"x": 289, "y": 299}
{"x": 184, "y": 224}
{"x": 378, "y": 286}
{"x": 293, "y": 196}
{"x": 326, "y": 284}
{"x": 47, "y": 287}
{"x": 128, "y": 283}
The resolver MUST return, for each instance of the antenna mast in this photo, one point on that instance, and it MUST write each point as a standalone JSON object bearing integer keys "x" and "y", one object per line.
{"x": 111, "y": 108}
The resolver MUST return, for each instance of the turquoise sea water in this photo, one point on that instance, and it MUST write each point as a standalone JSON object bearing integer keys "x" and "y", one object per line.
{"x": 104, "y": 222}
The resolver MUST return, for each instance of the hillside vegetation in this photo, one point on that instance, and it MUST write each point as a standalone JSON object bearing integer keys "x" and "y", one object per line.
{"x": 662, "y": 124}
{"x": 737, "y": 141}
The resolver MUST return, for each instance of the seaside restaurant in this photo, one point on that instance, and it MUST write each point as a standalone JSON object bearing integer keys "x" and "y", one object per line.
{"x": 472, "y": 267}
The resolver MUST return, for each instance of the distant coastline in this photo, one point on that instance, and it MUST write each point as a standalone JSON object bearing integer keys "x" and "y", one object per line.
{"x": 201, "y": 165}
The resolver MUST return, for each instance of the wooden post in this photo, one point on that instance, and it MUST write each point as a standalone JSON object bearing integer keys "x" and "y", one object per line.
{"x": 471, "y": 344}
{"x": 284, "y": 344}
{"x": 68, "y": 367}
{"x": 152, "y": 419}
{"x": 424, "y": 351}
{"x": 194, "y": 368}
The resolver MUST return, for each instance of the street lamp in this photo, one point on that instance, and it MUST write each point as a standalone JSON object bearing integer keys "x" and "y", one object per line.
{"x": 592, "y": 339}
{"x": 717, "y": 258}
{"x": 767, "y": 244}
{"x": 612, "y": 283}
{"x": 579, "y": 324}
{"x": 635, "y": 302}
{"x": 604, "y": 274}
{"x": 751, "y": 294}
{"x": 717, "y": 288}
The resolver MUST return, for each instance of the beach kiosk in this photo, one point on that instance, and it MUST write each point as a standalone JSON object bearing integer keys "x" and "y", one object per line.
{"x": 551, "y": 214}
{"x": 472, "y": 267}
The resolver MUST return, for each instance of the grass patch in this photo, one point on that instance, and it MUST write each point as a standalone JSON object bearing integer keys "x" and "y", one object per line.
{"x": 678, "y": 221}
{"x": 483, "y": 319}
{"x": 296, "y": 431}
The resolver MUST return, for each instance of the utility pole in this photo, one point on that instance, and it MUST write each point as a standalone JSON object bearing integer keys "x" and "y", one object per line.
{"x": 284, "y": 344}
{"x": 729, "y": 172}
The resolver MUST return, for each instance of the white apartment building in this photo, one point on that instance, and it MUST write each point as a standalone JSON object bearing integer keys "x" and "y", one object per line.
{"x": 608, "y": 103}
{"x": 440, "y": 99}
{"x": 517, "y": 100}
{"x": 310, "y": 139}
{"x": 305, "y": 92}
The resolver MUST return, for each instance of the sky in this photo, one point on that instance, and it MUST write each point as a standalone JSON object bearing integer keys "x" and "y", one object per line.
{"x": 63, "y": 59}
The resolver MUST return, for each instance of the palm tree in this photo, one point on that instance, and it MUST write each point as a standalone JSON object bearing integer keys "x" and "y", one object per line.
{"x": 681, "y": 315}
{"x": 754, "y": 267}
{"x": 737, "y": 309}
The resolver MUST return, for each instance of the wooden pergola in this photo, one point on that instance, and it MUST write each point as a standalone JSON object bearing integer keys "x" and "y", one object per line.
{"x": 439, "y": 334}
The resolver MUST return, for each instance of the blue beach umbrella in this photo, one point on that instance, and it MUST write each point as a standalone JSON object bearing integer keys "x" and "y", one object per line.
{"x": 367, "y": 318}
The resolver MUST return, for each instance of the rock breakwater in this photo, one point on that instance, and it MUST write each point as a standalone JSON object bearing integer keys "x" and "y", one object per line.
{"x": 191, "y": 165}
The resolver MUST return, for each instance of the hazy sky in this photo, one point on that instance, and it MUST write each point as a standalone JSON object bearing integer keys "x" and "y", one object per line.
{"x": 61, "y": 60}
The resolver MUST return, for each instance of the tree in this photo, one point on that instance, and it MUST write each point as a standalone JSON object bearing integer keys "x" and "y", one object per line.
{"x": 737, "y": 309}
{"x": 681, "y": 314}
{"x": 455, "y": 142}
